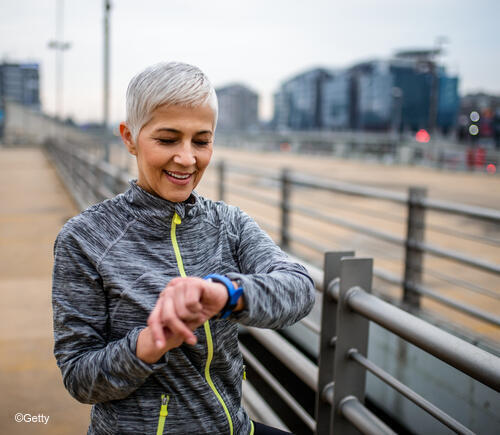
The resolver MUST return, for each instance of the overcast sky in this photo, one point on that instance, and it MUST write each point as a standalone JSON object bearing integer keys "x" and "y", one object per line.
{"x": 259, "y": 42}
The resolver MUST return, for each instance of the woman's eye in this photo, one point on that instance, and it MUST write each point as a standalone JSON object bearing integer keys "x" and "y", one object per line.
{"x": 201, "y": 142}
{"x": 166, "y": 141}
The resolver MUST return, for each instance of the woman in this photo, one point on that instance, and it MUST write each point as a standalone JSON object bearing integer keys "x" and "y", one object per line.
{"x": 138, "y": 332}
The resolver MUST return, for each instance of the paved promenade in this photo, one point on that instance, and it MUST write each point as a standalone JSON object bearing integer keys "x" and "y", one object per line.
{"x": 34, "y": 206}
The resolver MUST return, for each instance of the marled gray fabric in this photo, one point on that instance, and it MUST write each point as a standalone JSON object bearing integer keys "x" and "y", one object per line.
{"x": 111, "y": 263}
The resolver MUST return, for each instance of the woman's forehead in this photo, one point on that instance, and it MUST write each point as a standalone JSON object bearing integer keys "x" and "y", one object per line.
{"x": 175, "y": 118}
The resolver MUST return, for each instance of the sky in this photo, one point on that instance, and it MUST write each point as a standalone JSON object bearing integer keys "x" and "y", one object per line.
{"x": 259, "y": 43}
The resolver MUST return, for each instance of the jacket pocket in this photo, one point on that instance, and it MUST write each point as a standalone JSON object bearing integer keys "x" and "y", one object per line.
{"x": 165, "y": 398}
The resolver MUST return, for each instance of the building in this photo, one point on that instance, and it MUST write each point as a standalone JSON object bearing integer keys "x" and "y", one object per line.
{"x": 238, "y": 108}
{"x": 298, "y": 104}
{"x": 336, "y": 101}
{"x": 408, "y": 92}
{"x": 19, "y": 83}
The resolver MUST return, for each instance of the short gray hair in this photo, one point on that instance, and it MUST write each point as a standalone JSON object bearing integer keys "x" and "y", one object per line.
{"x": 170, "y": 83}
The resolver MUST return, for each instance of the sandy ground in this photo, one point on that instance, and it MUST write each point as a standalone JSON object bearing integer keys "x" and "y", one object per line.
{"x": 34, "y": 206}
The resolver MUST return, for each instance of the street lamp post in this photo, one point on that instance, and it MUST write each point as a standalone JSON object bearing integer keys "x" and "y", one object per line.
{"x": 105, "y": 117}
{"x": 59, "y": 45}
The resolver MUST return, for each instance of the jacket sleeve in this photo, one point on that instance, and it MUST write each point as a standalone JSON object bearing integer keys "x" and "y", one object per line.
{"x": 93, "y": 368}
{"x": 277, "y": 291}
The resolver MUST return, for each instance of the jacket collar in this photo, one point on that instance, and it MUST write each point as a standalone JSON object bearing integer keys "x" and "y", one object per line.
{"x": 146, "y": 206}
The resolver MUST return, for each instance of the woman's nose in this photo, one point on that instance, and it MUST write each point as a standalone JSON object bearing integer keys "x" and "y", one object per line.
{"x": 184, "y": 155}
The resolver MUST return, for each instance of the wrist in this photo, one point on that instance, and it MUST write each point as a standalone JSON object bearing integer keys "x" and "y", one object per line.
{"x": 234, "y": 298}
{"x": 240, "y": 305}
{"x": 147, "y": 350}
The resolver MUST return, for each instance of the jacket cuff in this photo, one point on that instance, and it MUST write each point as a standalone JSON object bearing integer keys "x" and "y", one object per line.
{"x": 143, "y": 368}
{"x": 246, "y": 315}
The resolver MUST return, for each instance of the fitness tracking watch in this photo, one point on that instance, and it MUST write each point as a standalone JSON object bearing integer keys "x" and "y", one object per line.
{"x": 232, "y": 293}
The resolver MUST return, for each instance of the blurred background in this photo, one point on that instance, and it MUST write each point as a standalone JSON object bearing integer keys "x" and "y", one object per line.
{"x": 366, "y": 126}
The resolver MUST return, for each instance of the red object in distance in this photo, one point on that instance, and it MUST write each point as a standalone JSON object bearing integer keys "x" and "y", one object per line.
{"x": 422, "y": 136}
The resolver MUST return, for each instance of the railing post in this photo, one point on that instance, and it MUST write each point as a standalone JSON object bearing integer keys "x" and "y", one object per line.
{"x": 323, "y": 409}
{"x": 222, "y": 178}
{"x": 352, "y": 333}
{"x": 285, "y": 208}
{"x": 415, "y": 233}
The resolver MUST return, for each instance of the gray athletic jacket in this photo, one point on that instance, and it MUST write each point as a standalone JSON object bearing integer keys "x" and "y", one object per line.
{"x": 112, "y": 261}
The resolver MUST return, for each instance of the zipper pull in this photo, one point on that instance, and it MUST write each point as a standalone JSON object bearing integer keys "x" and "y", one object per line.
{"x": 164, "y": 405}
{"x": 177, "y": 219}
{"x": 244, "y": 372}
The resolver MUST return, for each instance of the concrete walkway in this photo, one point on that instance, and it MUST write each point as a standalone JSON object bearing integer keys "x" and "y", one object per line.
{"x": 33, "y": 207}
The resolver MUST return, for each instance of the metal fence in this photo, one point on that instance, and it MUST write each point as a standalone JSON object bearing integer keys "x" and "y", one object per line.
{"x": 345, "y": 283}
{"x": 415, "y": 247}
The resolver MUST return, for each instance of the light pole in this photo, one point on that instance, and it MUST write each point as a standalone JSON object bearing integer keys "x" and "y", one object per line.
{"x": 60, "y": 46}
{"x": 105, "y": 115}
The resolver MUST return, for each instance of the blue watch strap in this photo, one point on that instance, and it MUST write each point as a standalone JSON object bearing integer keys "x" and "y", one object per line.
{"x": 232, "y": 292}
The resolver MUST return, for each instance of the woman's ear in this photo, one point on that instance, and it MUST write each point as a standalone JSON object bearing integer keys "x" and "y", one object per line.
{"x": 126, "y": 135}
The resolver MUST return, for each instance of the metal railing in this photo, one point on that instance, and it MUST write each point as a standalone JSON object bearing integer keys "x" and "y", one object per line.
{"x": 339, "y": 379}
{"x": 417, "y": 205}
{"x": 344, "y": 340}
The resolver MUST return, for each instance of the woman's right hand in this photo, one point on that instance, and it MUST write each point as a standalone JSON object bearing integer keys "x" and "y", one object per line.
{"x": 183, "y": 305}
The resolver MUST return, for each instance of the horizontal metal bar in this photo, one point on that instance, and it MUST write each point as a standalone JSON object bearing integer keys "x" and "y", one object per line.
{"x": 464, "y": 356}
{"x": 288, "y": 355}
{"x": 349, "y": 189}
{"x": 462, "y": 283}
{"x": 278, "y": 388}
{"x": 382, "y": 235}
{"x": 462, "y": 209}
{"x": 309, "y": 324}
{"x": 364, "y": 420}
{"x": 249, "y": 194}
{"x": 387, "y": 276}
{"x": 459, "y": 306}
{"x": 452, "y": 255}
{"x": 304, "y": 241}
{"x": 409, "y": 393}
{"x": 258, "y": 409}
{"x": 246, "y": 170}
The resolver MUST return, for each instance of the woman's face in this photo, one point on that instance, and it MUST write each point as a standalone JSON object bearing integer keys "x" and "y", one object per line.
{"x": 173, "y": 150}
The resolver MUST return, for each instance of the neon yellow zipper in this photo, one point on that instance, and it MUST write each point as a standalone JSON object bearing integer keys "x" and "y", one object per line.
{"x": 176, "y": 220}
{"x": 163, "y": 414}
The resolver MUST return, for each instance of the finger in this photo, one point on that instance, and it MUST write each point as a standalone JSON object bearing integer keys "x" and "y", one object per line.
{"x": 193, "y": 297}
{"x": 179, "y": 300}
{"x": 154, "y": 322}
{"x": 170, "y": 319}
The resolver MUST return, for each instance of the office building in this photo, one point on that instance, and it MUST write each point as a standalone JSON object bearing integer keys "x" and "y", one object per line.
{"x": 298, "y": 104}
{"x": 21, "y": 83}
{"x": 238, "y": 108}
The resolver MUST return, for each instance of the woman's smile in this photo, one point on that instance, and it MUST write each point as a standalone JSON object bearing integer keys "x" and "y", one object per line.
{"x": 179, "y": 178}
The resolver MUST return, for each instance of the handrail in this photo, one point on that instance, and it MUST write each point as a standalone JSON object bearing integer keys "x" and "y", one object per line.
{"x": 351, "y": 189}
{"x": 303, "y": 368}
{"x": 278, "y": 388}
{"x": 466, "y": 357}
{"x": 414, "y": 243}
{"x": 364, "y": 420}
{"x": 409, "y": 393}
